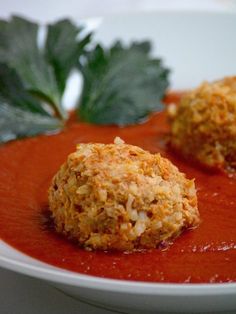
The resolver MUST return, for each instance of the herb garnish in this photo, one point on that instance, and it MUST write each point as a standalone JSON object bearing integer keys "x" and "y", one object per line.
{"x": 20, "y": 113}
{"x": 63, "y": 49}
{"x": 122, "y": 85}
{"x": 34, "y": 78}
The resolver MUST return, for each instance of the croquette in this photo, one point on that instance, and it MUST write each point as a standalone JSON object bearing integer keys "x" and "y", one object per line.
{"x": 118, "y": 196}
{"x": 203, "y": 125}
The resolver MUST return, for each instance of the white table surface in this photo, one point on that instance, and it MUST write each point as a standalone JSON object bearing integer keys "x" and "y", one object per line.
{"x": 20, "y": 294}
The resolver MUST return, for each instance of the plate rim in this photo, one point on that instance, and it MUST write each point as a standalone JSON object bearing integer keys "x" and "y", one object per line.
{"x": 63, "y": 276}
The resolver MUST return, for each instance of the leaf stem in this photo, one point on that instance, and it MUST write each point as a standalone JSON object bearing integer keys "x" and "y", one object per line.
{"x": 58, "y": 110}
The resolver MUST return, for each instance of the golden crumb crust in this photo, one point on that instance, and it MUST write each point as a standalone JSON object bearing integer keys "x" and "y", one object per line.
{"x": 203, "y": 125}
{"x": 118, "y": 196}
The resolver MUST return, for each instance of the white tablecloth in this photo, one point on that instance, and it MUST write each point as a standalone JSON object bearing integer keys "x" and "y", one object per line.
{"x": 20, "y": 294}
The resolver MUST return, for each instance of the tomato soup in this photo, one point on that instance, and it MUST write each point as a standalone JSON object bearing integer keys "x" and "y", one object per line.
{"x": 204, "y": 255}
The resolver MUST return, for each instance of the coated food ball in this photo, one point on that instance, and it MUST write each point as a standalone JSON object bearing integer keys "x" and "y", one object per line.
{"x": 118, "y": 196}
{"x": 203, "y": 125}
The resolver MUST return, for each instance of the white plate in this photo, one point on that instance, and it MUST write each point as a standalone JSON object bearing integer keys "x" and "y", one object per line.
{"x": 197, "y": 46}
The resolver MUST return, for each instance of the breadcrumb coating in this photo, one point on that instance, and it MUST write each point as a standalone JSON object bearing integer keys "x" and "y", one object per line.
{"x": 203, "y": 125}
{"x": 118, "y": 196}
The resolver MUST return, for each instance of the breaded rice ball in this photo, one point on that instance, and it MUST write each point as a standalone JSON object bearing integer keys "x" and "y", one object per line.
{"x": 118, "y": 196}
{"x": 203, "y": 125}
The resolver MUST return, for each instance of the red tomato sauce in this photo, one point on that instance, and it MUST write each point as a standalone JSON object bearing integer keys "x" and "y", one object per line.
{"x": 206, "y": 254}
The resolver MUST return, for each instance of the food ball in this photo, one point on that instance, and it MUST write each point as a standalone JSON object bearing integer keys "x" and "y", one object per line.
{"x": 203, "y": 125}
{"x": 119, "y": 196}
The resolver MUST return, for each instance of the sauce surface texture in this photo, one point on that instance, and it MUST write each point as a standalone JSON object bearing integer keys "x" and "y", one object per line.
{"x": 206, "y": 254}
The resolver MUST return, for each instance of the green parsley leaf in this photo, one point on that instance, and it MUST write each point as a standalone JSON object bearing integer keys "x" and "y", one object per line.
{"x": 63, "y": 49}
{"x": 44, "y": 71}
{"x": 20, "y": 113}
{"x": 33, "y": 77}
{"x": 17, "y": 123}
{"x": 20, "y": 51}
{"x": 122, "y": 85}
